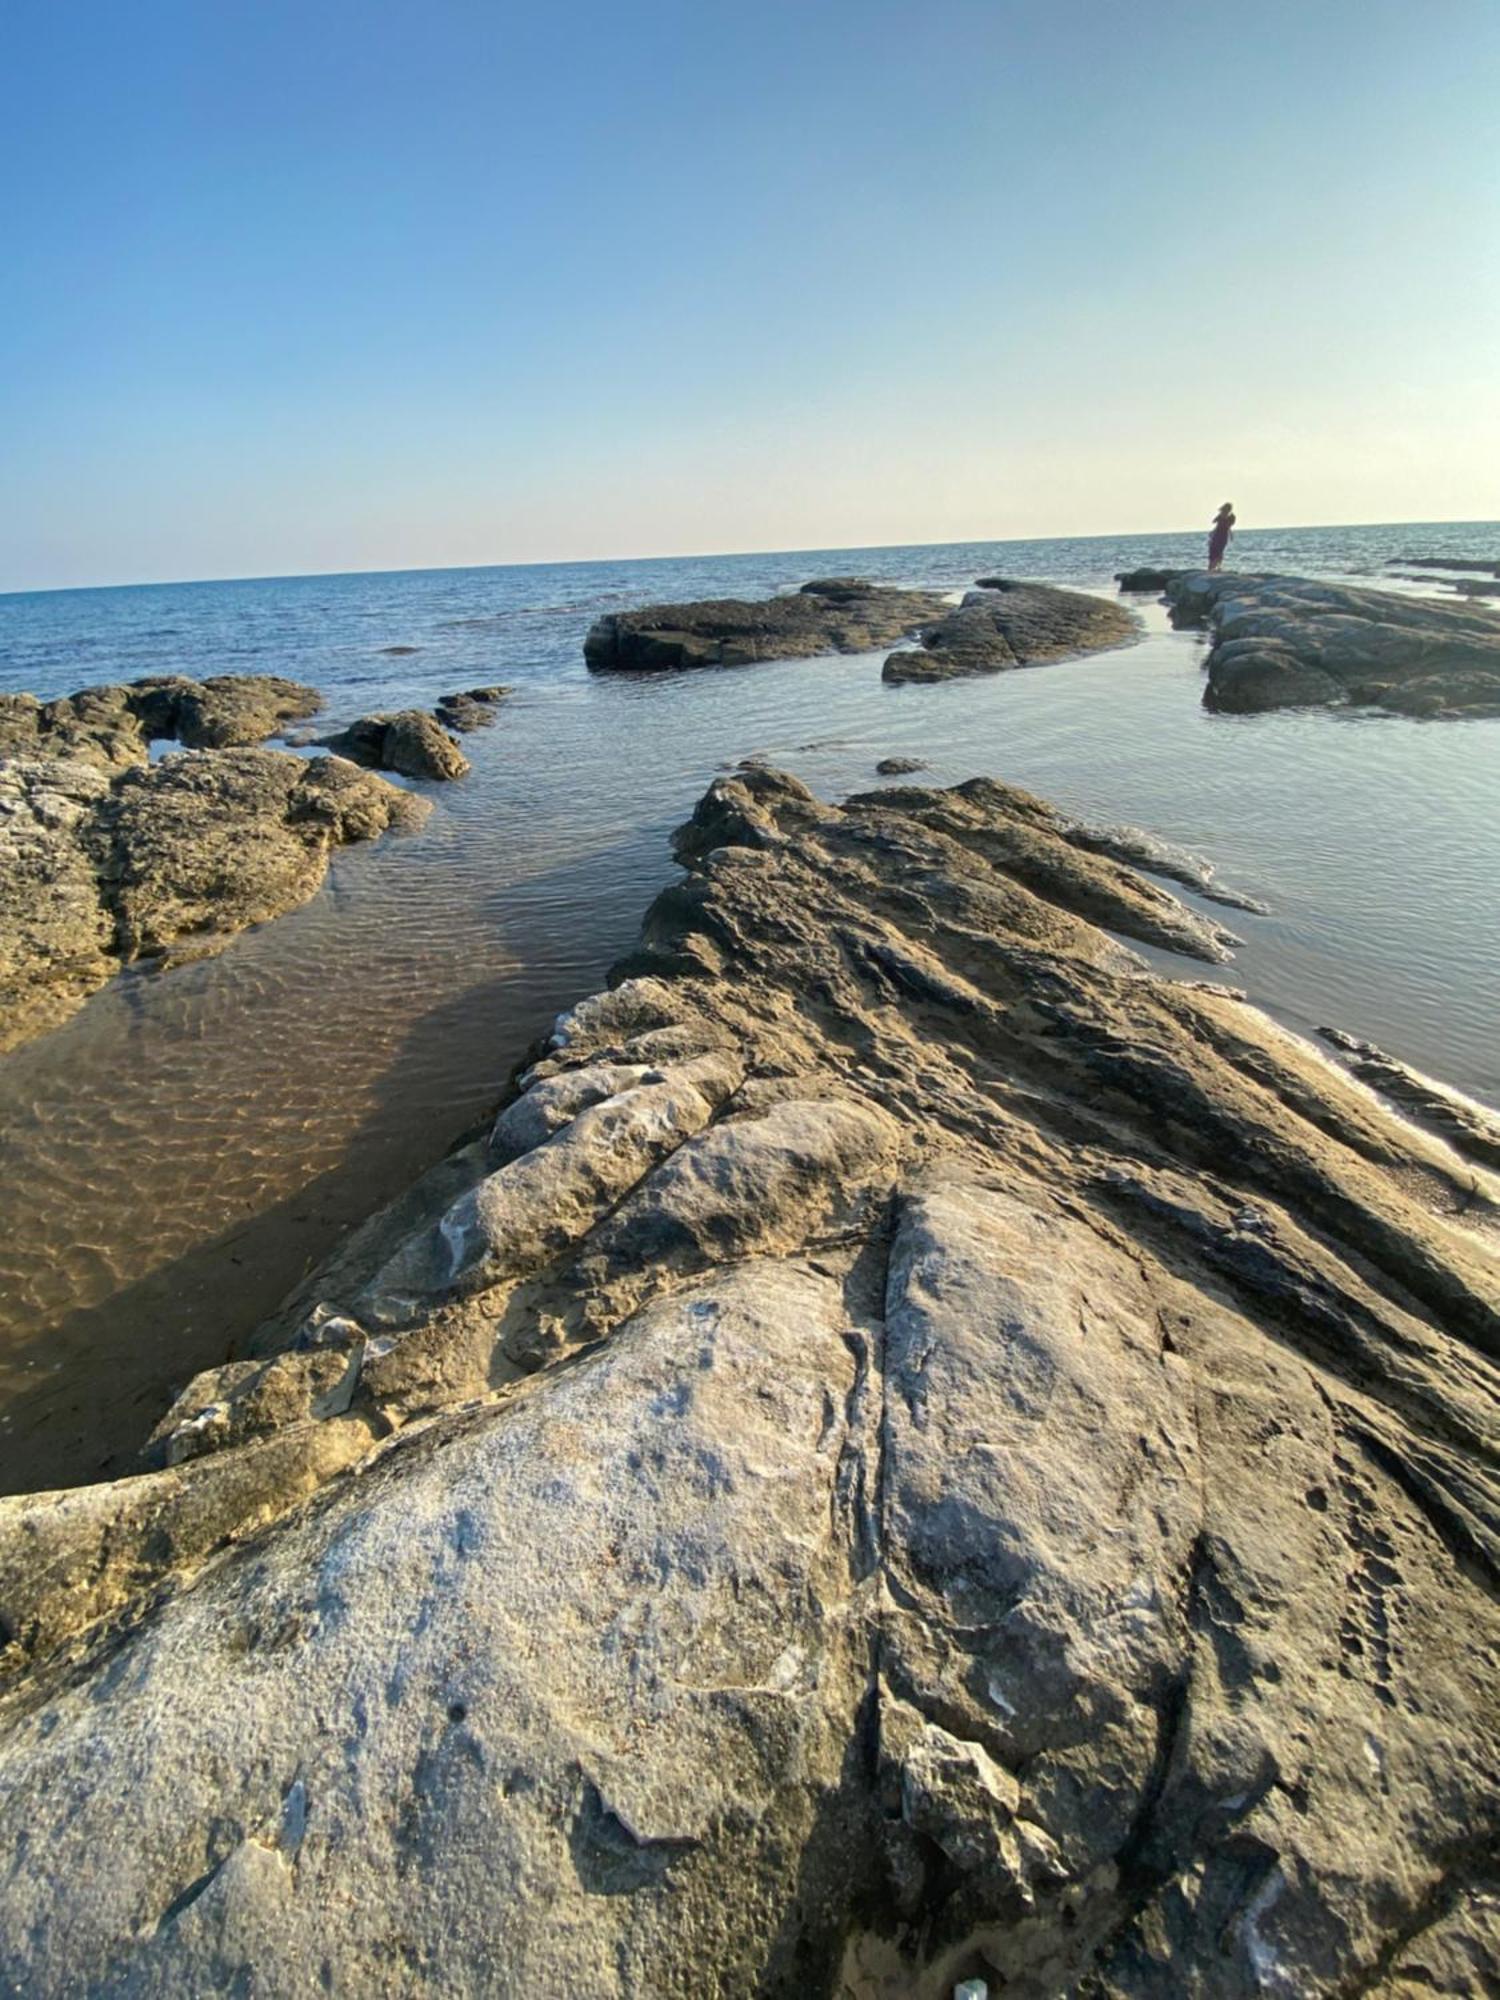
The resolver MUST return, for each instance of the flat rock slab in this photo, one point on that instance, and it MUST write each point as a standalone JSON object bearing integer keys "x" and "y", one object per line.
{"x": 913, "y": 1452}
{"x": 1289, "y": 642}
{"x": 1004, "y": 625}
{"x": 832, "y": 615}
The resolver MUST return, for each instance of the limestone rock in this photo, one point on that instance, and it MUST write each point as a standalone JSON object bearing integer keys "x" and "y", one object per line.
{"x": 831, "y": 615}
{"x": 1003, "y": 625}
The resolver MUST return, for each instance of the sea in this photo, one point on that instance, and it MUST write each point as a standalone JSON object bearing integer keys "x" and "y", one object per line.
{"x": 181, "y": 1152}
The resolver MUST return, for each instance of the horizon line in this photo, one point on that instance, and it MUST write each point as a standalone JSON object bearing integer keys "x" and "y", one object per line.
{"x": 698, "y": 555}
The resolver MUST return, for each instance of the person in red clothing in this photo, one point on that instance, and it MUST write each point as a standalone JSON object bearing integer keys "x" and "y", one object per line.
{"x": 1218, "y": 540}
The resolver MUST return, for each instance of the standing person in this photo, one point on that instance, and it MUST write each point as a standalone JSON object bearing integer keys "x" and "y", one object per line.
{"x": 1218, "y": 540}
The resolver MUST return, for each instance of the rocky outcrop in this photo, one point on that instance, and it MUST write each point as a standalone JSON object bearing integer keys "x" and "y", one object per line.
{"x": 165, "y": 861}
{"x": 475, "y": 708}
{"x": 1003, "y": 625}
{"x": 113, "y": 726}
{"x": 915, "y": 1451}
{"x": 1147, "y": 581}
{"x": 1289, "y": 642}
{"x": 409, "y": 742}
{"x": 830, "y": 615}
{"x": 1468, "y": 1127}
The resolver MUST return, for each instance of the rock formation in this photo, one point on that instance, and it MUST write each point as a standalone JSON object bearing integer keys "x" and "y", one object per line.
{"x": 475, "y": 708}
{"x": 914, "y": 1451}
{"x": 1486, "y": 565}
{"x": 114, "y": 726}
{"x": 1003, "y": 625}
{"x": 899, "y": 767}
{"x": 829, "y": 615}
{"x": 409, "y": 742}
{"x": 1289, "y": 642}
{"x": 163, "y": 861}
{"x": 1147, "y": 581}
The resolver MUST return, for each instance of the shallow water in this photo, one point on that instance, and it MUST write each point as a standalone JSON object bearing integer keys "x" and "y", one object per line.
{"x": 182, "y": 1151}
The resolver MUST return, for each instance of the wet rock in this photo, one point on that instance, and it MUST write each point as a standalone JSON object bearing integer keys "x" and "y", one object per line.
{"x": 168, "y": 860}
{"x": 1146, "y": 581}
{"x": 1470, "y": 1128}
{"x": 114, "y": 726}
{"x": 400, "y": 651}
{"x": 832, "y": 615}
{"x": 1003, "y": 625}
{"x": 476, "y": 708}
{"x": 922, "y": 1456}
{"x": 409, "y": 742}
{"x": 899, "y": 767}
{"x": 1288, "y": 642}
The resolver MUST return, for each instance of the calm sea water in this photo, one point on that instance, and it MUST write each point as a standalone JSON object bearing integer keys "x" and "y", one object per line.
{"x": 178, "y": 1155}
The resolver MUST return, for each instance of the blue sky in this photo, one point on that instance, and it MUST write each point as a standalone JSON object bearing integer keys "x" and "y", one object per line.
{"x": 352, "y": 284}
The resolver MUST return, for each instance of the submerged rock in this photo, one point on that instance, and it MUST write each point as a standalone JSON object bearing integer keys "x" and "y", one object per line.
{"x": 166, "y": 861}
{"x": 1289, "y": 642}
{"x": 917, "y": 1455}
{"x": 475, "y": 708}
{"x": 899, "y": 767}
{"x": 830, "y": 615}
{"x": 409, "y": 742}
{"x": 1003, "y": 625}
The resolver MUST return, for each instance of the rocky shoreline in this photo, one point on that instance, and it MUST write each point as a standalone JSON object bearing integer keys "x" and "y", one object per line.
{"x": 913, "y": 1450}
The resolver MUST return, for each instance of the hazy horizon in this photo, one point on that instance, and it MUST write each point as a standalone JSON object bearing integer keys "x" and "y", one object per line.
{"x": 383, "y": 286}
{"x": 666, "y": 556}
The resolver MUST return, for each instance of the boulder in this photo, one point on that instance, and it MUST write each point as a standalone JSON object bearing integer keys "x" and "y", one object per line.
{"x": 829, "y": 615}
{"x": 899, "y": 767}
{"x": 409, "y": 742}
{"x": 1146, "y": 581}
{"x": 918, "y": 1457}
{"x": 1003, "y": 625}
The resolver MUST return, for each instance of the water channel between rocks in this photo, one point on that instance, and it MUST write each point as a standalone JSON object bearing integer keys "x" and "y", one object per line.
{"x": 179, "y": 1154}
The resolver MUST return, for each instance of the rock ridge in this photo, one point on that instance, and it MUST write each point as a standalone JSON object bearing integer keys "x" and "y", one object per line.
{"x": 914, "y": 1450}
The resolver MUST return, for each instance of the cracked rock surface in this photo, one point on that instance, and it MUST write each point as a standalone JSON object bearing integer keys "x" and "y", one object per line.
{"x": 915, "y": 1450}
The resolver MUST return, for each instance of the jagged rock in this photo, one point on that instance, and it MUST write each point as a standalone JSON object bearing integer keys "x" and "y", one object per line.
{"x": 409, "y": 742}
{"x": 899, "y": 767}
{"x": 170, "y": 859}
{"x": 476, "y": 708}
{"x": 832, "y": 615}
{"x": 1468, "y": 1127}
{"x": 113, "y": 726}
{"x": 1003, "y": 625}
{"x": 1285, "y": 641}
{"x": 933, "y": 1459}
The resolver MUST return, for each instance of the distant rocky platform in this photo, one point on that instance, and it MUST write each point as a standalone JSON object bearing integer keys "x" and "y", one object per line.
{"x": 914, "y": 1451}
{"x": 106, "y": 858}
{"x": 1004, "y": 624}
{"x": 1291, "y": 642}
{"x": 828, "y": 615}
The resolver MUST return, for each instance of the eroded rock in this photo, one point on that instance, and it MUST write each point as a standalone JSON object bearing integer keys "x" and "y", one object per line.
{"x": 1004, "y": 625}
{"x": 924, "y": 1455}
{"x": 1288, "y": 642}
{"x": 409, "y": 742}
{"x": 831, "y": 615}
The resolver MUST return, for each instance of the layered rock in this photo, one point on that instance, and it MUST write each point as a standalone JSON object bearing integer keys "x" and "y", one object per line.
{"x": 162, "y": 861}
{"x": 1003, "y": 625}
{"x": 410, "y": 742}
{"x": 829, "y": 615}
{"x": 1289, "y": 642}
{"x": 915, "y": 1451}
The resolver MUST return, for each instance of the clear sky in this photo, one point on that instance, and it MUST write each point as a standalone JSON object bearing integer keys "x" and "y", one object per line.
{"x": 296, "y": 285}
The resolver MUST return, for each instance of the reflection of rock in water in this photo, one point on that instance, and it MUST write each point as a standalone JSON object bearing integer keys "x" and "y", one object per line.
{"x": 922, "y": 1452}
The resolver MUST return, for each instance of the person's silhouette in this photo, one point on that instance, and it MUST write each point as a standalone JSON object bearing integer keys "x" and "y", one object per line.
{"x": 1218, "y": 539}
